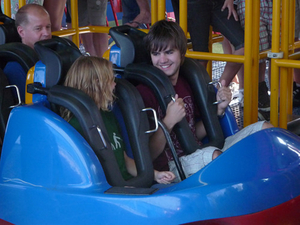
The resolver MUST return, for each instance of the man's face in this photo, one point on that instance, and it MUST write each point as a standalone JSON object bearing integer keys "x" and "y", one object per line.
{"x": 38, "y": 28}
{"x": 168, "y": 60}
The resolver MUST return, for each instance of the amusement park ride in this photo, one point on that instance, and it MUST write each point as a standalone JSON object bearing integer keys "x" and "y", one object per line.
{"x": 50, "y": 174}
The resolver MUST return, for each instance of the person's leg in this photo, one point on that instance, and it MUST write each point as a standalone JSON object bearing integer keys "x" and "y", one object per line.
{"x": 100, "y": 43}
{"x": 264, "y": 44}
{"x": 55, "y": 9}
{"x": 144, "y": 16}
{"x": 296, "y": 86}
{"x": 245, "y": 132}
{"x": 97, "y": 17}
{"x": 265, "y": 38}
{"x": 194, "y": 162}
{"x": 227, "y": 47}
{"x": 95, "y": 43}
{"x": 238, "y": 91}
{"x": 87, "y": 41}
{"x": 233, "y": 31}
{"x": 130, "y": 10}
{"x": 175, "y": 5}
{"x": 199, "y": 20}
{"x": 240, "y": 76}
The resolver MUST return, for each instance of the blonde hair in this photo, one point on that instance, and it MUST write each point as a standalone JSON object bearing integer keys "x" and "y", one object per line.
{"x": 94, "y": 76}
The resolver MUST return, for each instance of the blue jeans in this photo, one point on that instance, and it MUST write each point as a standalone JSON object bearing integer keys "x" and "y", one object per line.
{"x": 202, "y": 14}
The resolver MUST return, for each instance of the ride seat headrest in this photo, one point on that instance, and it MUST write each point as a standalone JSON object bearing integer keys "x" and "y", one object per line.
{"x": 130, "y": 41}
{"x": 57, "y": 54}
{"x": 8, "y": 30}
{"x": 18, "y": 52}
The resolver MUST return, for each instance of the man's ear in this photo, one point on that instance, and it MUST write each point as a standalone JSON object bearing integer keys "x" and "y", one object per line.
{"x": 21, "y": 31}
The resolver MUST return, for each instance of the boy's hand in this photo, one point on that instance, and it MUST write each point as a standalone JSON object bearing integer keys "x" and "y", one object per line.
{"x": 224, "y": 94}
{"x": 175, "y": 113}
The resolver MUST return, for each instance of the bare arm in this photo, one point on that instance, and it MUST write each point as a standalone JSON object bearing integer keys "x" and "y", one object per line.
{"x": 130, "y": 165}
{"x": 224, "y": 94}
{"x": 200, "y": 130}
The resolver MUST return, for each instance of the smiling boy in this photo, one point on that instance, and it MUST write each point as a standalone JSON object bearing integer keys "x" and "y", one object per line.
{"x": 167, "y": 45}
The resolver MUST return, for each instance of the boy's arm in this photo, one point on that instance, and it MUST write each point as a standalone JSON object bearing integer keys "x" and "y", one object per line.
{"x": 175, "y": 113}
{"x": 200, "y": 130}
{"x": 224, "y": 96}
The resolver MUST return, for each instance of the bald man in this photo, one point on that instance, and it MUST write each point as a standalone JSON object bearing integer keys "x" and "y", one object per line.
{"x": 33, "y": 24}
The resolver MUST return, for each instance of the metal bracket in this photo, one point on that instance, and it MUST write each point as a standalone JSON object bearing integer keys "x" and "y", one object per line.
{"x": 154, "y": 118}
{"x": 18, "y": 95}
{"x": 101, "y": 136}
{"x": 275, "y": 55}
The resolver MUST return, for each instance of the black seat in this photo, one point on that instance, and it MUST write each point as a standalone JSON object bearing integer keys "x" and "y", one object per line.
{"x": 89, "y": 117}
{"x": 130, "y": 41}
{"x": 21, "y": 54}
{"x": 18, "y": 52}
{"x": 57, "y": 54}
{"x": 8, "y": 30}
{"x": 26, "y": 57}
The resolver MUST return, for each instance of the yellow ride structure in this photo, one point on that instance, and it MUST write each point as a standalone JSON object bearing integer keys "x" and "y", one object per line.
{"x": 283, "y": 58}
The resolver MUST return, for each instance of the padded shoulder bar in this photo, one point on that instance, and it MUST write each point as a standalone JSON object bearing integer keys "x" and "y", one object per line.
{"x": 131, "y": 104}
{"x": 18, "y": 52}
{"x": 58, "y": 54}
{"x": 204, "y": 95}
{"x": 163, "y": 90}
{"x": 130, "y": 41}
{"x": 8, "y": 30}
{"x": 89, "y": 117}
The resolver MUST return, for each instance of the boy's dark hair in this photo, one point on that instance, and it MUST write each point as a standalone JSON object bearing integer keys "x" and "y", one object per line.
{"x": 164, "y": 34}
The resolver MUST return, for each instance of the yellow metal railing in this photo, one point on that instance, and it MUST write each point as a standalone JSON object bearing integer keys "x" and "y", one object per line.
{"x": 282, "y": 41}
{"x": 281, "y": 72}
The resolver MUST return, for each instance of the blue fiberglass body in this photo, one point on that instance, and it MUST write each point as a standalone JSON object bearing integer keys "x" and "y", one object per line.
{"x": 50, "y": 175}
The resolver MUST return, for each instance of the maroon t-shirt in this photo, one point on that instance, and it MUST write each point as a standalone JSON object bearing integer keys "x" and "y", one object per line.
{"x": 184, "y": 91}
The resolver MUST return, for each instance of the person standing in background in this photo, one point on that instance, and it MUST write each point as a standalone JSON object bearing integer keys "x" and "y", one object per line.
{"x": 92, "y": 13}
{"x": 55, "y": 9}
{"x": 136, "y": 13}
